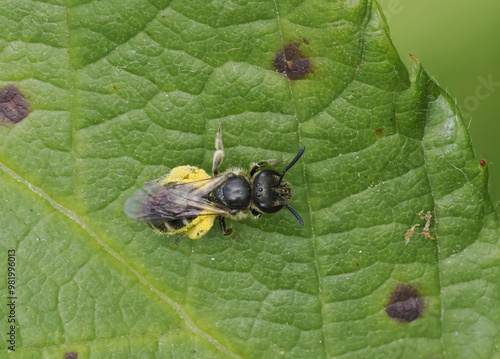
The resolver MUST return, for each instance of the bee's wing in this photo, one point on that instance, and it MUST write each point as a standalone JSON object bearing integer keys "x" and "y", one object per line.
{"x": 163, "y": 202}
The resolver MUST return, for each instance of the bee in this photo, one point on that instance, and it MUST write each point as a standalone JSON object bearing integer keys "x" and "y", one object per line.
{"x": 187, "y": 200}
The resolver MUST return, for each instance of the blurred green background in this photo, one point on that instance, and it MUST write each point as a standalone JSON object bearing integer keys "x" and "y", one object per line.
{"x": 458, "y": 43}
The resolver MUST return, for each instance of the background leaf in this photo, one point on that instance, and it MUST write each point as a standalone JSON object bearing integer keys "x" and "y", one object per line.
{"x": 467, "y": 42}
{"x": 121, "y": 92}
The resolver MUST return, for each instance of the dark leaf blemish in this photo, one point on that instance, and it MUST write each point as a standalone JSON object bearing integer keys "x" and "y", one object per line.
{"x": 292, "y": 62}
{"x": 13, "y": 105}
{"x": 379, "y": 132}
{"x": 405, "y": 304}
{"x": 70, "y": 355}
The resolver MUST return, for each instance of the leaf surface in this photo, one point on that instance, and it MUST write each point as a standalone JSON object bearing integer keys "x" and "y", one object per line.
{"x": 121, "y": 92}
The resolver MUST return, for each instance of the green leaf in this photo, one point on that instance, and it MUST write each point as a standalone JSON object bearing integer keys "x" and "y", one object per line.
{"x": 121, "y": 92}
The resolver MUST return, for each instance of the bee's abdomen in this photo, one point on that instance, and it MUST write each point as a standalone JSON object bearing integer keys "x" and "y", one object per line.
{"x": 171, "y": 225}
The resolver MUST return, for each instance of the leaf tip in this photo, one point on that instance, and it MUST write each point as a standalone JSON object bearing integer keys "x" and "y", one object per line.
{"x": 415, "y": 59}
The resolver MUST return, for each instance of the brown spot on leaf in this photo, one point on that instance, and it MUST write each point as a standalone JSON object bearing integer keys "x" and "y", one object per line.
{"x": 405, "y": 304}
{"x": 13, "y": 105}
{"x": 71, "y": 355}
{"x": 292, "y": 62}
{"x": 379, "y": 132}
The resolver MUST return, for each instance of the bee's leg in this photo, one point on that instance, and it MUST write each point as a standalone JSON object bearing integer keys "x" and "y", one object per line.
{"x": 255, "y": 213}
{"x": 263, "y": 164}
{"x": 225, "y": 230}
{"x": 176, "y": 241}
{"x": 219, "y": 151}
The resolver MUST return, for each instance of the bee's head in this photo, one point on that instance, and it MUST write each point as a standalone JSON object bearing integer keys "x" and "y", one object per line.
{"x": 271, "y": 193}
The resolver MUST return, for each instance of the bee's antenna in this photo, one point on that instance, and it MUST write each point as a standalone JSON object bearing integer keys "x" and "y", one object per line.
{"x": 294, "y": 212}
{"x": 299, "y": 154}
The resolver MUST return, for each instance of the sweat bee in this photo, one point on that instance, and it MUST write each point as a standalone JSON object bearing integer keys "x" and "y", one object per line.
{"x": 187, "y": 200}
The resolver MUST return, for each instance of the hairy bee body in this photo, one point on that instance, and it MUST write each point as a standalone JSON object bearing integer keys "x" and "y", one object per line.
{"x": 162, "y": 204}
{"x": 187, "y": 200}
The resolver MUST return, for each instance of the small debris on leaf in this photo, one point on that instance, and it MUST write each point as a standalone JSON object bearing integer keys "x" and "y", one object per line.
{"x": 425, "y": 232}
